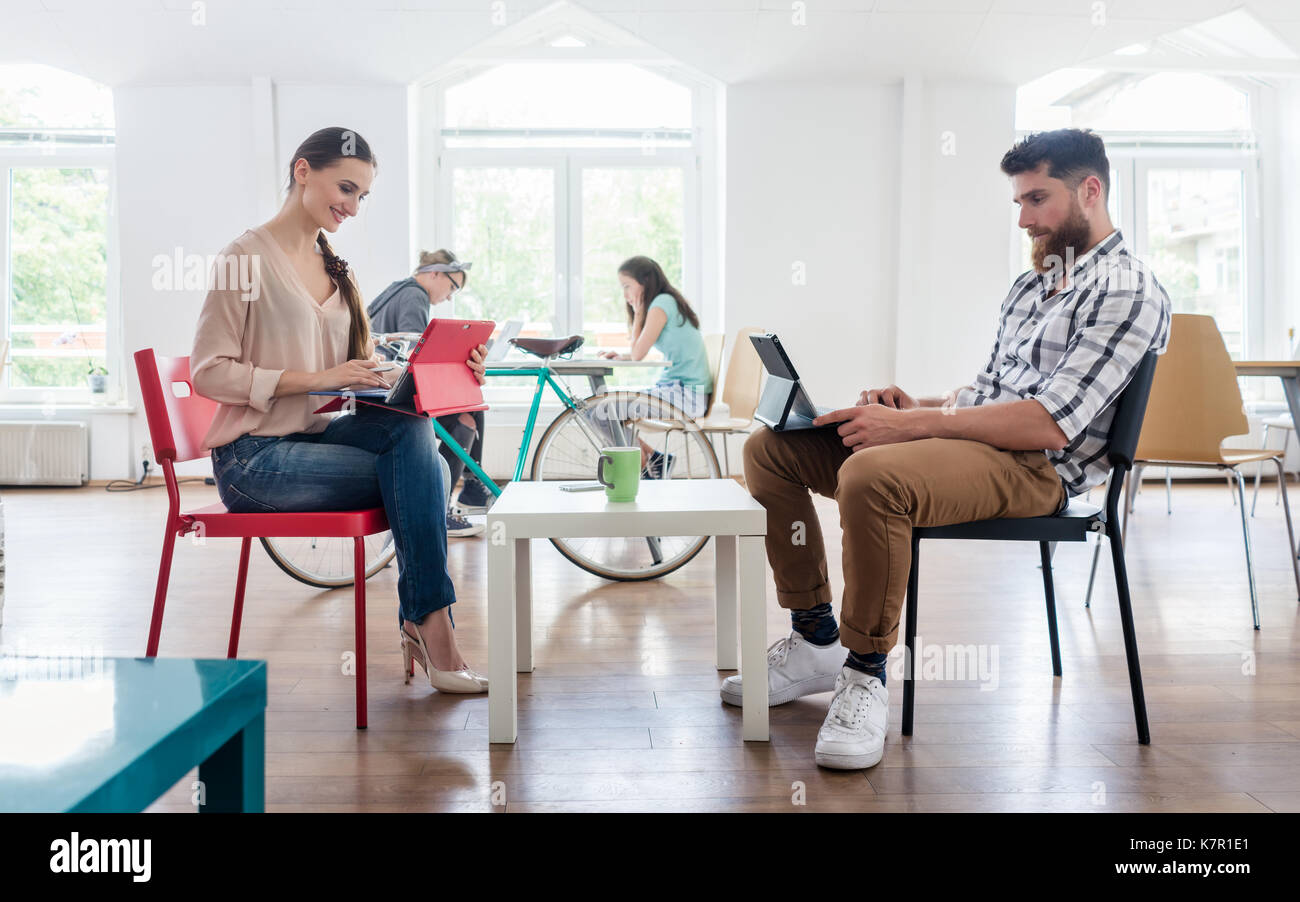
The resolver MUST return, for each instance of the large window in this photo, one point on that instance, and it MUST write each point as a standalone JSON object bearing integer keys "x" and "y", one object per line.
{"x": 1194, "y": 230}
{"x": 56, "y": 297}
{"x": 553, "y": 173}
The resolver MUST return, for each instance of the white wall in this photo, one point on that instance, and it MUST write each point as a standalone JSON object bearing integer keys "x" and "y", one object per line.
{"x": 892, "y": 198}
{"x": 192, "y": 169}
{"x": 955, "y": 218}
{"x": 185, "y": 177}
{"x": 812, "y": 173}
{"x": 375, "y": 244}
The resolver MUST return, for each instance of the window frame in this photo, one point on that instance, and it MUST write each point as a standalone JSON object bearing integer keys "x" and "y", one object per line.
{"x": 702, "y": 214}
{"x": 55, "y": 156}
{"x": 567, "y": 167}
{"x": 1140, "y": 162}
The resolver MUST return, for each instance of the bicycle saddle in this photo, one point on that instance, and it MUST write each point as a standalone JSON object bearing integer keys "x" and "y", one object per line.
{"x": 548, "y": 347}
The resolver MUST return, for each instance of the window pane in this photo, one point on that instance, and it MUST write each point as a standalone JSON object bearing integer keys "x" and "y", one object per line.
{"x": 1196, "y": 247}
{"x": 625, "y": 213}
{"x": 503, "y": 221}
{"x": 58, "y": 275}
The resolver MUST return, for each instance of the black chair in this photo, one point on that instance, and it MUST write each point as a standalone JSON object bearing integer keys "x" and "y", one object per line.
{"x": 1071, "y": 525}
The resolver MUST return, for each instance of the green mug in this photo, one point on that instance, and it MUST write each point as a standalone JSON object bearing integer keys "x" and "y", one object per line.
{"x": 625, "y": 467}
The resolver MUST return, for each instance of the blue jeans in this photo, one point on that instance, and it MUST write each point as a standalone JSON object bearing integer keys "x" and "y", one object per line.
{"x": 370, "y": 458}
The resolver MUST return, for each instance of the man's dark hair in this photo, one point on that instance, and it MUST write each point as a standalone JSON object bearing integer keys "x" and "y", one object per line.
{"x": 1071, "y": 155}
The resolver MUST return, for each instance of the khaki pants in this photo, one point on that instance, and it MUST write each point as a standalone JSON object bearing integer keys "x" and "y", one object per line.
{"x": 882, "y": 493}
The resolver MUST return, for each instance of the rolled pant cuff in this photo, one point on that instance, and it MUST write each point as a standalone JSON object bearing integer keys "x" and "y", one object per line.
{"x": 802, "y": 601}
{"x": 863, "y": 644}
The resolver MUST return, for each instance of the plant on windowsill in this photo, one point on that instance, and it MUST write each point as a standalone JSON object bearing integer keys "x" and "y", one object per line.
{"x": 97, "y": 378}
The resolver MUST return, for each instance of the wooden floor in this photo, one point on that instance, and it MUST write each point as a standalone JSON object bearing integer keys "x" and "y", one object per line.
{"x": 622, "y": 712}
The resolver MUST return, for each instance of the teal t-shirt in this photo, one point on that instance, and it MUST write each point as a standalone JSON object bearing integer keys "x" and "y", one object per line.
{"x": 683, "y": 344}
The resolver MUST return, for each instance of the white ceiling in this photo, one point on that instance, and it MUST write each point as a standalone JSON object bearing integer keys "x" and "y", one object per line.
{"x": 346, "y": 41}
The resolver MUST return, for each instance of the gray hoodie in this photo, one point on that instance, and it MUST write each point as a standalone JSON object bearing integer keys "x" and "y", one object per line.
{"x": 401, "y": 307}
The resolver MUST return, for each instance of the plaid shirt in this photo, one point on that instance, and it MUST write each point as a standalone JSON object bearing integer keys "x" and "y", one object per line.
{"x": 1076, "y": 351}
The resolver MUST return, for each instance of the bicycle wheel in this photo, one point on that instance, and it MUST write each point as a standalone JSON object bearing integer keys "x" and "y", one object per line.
{"x": 568, "y": 451}
{"x": 327, "y": 562}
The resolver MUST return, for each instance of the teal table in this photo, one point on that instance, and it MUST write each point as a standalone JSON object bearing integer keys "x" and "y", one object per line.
{"x": 113, "y": 734}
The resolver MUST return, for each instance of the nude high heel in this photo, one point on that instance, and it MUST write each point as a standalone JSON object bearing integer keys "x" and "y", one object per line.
{"x": 463, "y": 681}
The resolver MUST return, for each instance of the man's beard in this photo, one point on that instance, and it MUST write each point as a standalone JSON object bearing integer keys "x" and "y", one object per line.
{"x": 1060, "y": 248}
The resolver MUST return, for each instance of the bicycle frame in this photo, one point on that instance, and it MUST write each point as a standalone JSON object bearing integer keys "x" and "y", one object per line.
{"x": 544, "y": 378}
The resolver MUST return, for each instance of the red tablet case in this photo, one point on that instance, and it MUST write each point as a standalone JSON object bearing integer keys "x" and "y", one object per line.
{"x": 444, "y": 383}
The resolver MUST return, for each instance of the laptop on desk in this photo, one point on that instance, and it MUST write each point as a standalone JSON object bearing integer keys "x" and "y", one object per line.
{"x": 785, "y": 405}
{"x": 500, "y": 346}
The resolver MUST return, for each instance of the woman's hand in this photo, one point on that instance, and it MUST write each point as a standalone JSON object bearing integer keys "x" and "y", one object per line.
{"x": 477, "y": 365}
{"x": 612, "y": 355}
{"x": 354, "y": 372}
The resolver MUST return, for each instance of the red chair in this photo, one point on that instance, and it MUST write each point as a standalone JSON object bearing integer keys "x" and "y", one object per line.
{"x": 159, "y": 377}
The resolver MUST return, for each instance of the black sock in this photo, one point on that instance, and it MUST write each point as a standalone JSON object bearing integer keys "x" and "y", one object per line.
{"x": 872, "y": 663}
{"x": 816, "y": 624}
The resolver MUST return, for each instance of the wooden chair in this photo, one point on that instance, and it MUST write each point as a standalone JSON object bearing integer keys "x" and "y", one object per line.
{"x": 1195, "y": 404}
{"x": 714, "y": 342}
{"x": 740, "y": 389}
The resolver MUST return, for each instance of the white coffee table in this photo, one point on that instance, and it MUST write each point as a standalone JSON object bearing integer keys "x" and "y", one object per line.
{"x": 669, "y": 507}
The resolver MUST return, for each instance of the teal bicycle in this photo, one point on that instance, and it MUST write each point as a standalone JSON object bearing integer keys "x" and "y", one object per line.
{"x": 567, "y": 451}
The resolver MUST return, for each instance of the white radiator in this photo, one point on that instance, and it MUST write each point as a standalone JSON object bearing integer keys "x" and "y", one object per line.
{"x": 44, "y": 452}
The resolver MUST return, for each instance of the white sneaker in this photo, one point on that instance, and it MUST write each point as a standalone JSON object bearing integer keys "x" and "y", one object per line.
{"x": 795, "y": 667}
{"x": 853, "y": 735}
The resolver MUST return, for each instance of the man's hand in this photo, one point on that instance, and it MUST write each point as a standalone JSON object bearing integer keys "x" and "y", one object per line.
{"x": 893, "y": 396}
{"x": 476, "y": 364}
{"x": 868, "y": 425}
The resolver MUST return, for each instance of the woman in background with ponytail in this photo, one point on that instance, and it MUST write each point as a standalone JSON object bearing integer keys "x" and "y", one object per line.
{"x": 303, "y": 327}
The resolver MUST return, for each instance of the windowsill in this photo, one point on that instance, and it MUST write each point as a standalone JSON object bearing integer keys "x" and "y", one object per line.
{"x": 36, "y": 407}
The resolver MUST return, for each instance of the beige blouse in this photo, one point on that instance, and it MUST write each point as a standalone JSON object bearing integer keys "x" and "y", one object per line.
{"x": 253, "y": 328}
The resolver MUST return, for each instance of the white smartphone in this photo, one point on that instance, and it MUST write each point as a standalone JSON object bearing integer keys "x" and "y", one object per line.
{"x": 580, "y": 486}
